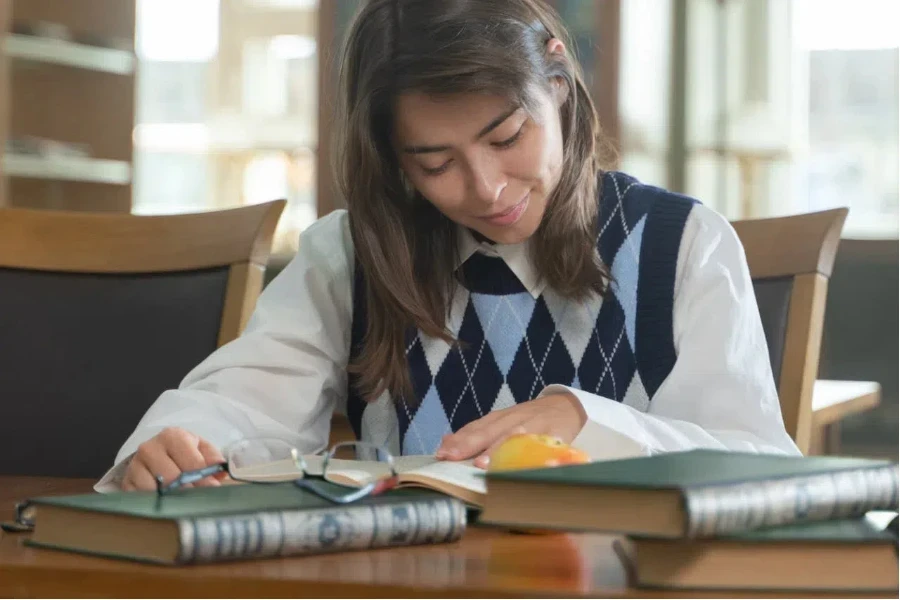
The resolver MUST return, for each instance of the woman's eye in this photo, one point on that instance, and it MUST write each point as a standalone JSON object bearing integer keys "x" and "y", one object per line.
{"x": 436, "y": 170}
{"x": 508, "y": 142}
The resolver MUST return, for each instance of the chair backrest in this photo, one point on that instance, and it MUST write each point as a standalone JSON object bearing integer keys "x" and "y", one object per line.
{"x": 101, "y": 313}
{"x": 790, "y": 260}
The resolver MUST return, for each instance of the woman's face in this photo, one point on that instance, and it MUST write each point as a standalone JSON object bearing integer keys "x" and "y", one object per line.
{"x": 484, "y": 163}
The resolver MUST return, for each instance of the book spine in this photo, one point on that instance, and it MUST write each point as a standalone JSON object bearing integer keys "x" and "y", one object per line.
{"x": 298, "y": 532}
{"x": 717, "y": 510}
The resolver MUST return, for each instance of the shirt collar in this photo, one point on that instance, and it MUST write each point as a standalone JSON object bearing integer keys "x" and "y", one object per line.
{"x": 516, "y": 257}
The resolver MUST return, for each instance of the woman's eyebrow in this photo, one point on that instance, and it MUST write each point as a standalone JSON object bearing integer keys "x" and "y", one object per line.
{"x": 496, "y": 122}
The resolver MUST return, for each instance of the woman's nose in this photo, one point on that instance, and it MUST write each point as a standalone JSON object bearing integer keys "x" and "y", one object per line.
{"x": 488, "y": 181}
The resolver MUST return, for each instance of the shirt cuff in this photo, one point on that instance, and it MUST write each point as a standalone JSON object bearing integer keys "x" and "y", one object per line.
{"x": 112, "y": 480}
{"x": 218, "y": 433}
{"x": 610, "y": 432}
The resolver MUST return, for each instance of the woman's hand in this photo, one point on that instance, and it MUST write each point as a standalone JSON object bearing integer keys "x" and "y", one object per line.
{"x": 169, "y": 453}
{"x": 559, "y": 415}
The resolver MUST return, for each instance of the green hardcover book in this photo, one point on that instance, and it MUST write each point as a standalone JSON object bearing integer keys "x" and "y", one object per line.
{"x": 841, "y": 555}
{"x": 204, "y": 525}
{"x": 700, "y": 493}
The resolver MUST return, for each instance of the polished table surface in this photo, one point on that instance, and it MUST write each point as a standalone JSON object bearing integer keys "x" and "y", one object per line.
{"x": 485, "y": 563}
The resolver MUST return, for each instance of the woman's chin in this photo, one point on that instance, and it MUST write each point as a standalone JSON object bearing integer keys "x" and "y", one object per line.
{"x": 509, "y": 235}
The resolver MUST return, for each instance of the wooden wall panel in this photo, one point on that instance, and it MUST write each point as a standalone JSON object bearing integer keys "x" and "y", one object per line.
{"x": 5, "y": 12}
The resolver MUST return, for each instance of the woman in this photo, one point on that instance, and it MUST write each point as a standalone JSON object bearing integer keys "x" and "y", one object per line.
{"x": 487, "y": 277}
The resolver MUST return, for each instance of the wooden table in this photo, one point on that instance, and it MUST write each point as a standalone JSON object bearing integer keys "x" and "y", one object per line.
{"x": 485, "y": 563}
{"x": 832, "y": 402}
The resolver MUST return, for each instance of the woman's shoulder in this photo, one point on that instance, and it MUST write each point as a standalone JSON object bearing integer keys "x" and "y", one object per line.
{"x": 672, "y": 214}
{"x": 631, "y": 209}
{"x": 327, "y": 242}
{"x": 617, "y": 187}
{"x": 630, "y": 192}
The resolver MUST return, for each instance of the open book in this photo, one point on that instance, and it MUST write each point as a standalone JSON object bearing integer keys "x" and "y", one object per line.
{"x": 461, "y": 479}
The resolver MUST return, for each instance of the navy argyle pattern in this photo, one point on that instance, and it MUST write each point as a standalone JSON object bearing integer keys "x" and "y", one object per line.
{"x": 513, "y": 345}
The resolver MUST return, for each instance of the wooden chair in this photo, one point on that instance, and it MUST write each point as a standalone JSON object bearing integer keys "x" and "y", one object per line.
{"x": 790, "y": 260}
{"x": 101, "y": 313}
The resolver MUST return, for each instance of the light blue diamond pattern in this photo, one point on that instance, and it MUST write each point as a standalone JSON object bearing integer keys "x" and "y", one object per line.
{"x": 379, "y": 423}
{"x": 636, "y": 395}
{"x": 575, "y": 321}
{"x": 625, "y": 275}
{"x": 504, "y": 320}
{"x": 423, "y": 436}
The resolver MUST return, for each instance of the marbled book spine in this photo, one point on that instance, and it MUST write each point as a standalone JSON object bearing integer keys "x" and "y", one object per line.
{"x": 332, "y": 529}
{"x": 723, "y": 509}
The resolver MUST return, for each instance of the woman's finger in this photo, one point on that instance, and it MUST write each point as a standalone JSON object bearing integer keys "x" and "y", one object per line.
{"x": 212, "y": 455}
{"x": 467, "y": 444}
{"x": 184, "y": 451}
{"x": 484, "y": 459}
{"x": 159, "y": 463}
{"x": 138, "y": 477}
{"x": 488, "y": 420}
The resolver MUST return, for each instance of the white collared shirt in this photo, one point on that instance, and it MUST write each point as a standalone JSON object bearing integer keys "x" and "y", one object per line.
{"x": 286, "y": 374}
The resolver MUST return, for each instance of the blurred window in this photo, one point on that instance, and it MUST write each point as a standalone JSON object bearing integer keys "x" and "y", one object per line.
{"x": 854, "y": 71}
{"x": 227, "y": 105}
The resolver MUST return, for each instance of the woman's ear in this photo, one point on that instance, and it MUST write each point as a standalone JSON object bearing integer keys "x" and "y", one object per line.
{"x": 560, "y": 86}
{"x": 555, "y": 46}
{"x": 560, "y": 90}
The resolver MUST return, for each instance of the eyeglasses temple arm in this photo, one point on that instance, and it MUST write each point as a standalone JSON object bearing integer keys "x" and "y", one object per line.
{"x": 193, "y": 476}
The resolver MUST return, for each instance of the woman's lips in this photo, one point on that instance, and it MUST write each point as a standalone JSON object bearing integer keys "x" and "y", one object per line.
{"x": 509, "y": 216}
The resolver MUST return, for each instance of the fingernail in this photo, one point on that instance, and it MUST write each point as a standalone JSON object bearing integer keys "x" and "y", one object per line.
{"x": 440, "y": 454}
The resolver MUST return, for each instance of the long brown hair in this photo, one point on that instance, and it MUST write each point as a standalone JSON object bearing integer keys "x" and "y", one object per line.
{"x": 406, "y": 248}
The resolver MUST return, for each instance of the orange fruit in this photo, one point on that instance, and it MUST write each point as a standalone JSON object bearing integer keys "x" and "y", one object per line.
{"x": 532, "y": 451}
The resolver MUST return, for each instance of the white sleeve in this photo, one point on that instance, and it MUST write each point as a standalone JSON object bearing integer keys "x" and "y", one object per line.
{"x": 721, "y": 392}
{"x": 284, "y": 375}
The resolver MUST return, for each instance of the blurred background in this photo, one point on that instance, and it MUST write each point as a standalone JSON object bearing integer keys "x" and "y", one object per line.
{"x": 756, "y": 107}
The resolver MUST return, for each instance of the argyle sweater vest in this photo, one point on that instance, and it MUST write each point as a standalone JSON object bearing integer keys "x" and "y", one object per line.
{"x": 619, "y": 346}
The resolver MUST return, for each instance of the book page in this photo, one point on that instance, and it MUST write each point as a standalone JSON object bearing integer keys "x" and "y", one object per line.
{"x": 420, "y": 469}
{"x": 279, "y": 470}
{"x": 360, "y": 472}
{"x": 461, "y": 474}
{"x": 461, "y": 479}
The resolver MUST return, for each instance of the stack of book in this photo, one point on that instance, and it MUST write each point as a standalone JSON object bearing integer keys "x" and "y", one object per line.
{"x": 721, "y": 520}
{"x": 239, "y": 522}
{"x": 690, "y": 520}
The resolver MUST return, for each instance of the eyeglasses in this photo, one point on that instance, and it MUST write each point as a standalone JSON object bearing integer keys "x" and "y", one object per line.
{"x": 23, "y": 520}
{"x": 354, "y": 470}
{"x": 369, "y": 472}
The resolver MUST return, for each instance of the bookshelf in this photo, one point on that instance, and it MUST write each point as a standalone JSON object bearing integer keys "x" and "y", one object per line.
{"x": 66, "y": 168}
{"x": 67, "y": 85}
{"x": 59, "y": 52}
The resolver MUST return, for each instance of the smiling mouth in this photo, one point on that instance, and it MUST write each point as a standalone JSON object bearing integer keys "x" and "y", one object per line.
{"x": 510, "y": 216}
{"x": 508, "y": 211}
